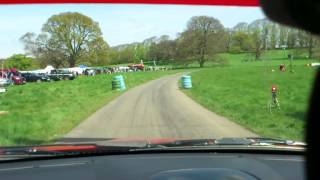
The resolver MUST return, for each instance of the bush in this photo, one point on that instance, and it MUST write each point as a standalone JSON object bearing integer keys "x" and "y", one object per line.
{"x": 235, "y": 50}
{"x": 19, "y": 61}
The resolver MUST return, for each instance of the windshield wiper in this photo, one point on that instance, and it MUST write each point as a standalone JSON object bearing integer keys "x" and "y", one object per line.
{"x": 180, "y": 143}
{"x": 255, "y": 141}
{"x": 272, "y": 141}
{"x": 61, "y": 150}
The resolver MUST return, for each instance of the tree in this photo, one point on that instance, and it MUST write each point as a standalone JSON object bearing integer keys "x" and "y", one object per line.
{"x": 313, "y": 46}
{"x": 258, "y": 41}
{"x": 140, "y": 52}
{"x": 283, "y": 37}
{"x": 204, "y": 38}
{"x": 274, "y": 36}
{"x": 229, "y": 35}
{"x": 259, "y": 31}
{"x": 98, "y": 54}
{"x": 164, "y": 50}
{"x": 241, "y": 27}
{"x": 147, "y": 42}
{"x": 302, "y": 38}
{"x": 19, "y": 61}
{"x": 239, "y": 39}
{"x": 46, "y": 51}
{"x": 242, "y": 41}
{"x": 292, "y": 38}
{"x": 265, "y": 36}
{"x": 72, "y": 32}
{"x": 122, "y": 54}
{"x": 65, "y": 39}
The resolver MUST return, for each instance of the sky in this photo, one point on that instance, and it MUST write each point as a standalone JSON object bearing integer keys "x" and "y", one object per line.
{"x": 120, "y": 24}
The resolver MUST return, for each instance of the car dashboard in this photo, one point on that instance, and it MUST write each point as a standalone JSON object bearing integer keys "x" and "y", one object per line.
{"x": 161, "y": 166}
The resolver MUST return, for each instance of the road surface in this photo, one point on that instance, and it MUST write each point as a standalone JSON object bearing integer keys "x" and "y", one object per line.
{"x": 157, "y": 109}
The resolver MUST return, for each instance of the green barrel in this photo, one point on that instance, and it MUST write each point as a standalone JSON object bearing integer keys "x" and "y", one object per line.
{"x": 116, "y": 84}
{"x": 123, "y": 84}
{"x": 186, "y": 82}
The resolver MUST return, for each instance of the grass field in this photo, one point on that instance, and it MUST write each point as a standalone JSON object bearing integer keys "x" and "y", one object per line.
{"x": 42, "y": 112}
{"x": 242, "y": 90}
{"x": 268, "y": 58}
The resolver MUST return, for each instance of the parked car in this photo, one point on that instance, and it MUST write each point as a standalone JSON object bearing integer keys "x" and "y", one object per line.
{"x": 13, "y": 75}
{"x": 4, "y": 82}
{"x": 17, "y": 79}
{"x": 107, "y": 70}
{"x": 34, "y": 77}
{"x": 137, "y": 67}
{"x": 90, "y": 72}
{"x": 61, "y": 74}
{"x": 98, "y": 70}
{"x": 55, "y": 77}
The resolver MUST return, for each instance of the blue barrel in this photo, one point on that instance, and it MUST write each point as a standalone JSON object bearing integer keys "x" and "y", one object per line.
{"x": 186, "y": 82}
{"x": 120, "y": 79}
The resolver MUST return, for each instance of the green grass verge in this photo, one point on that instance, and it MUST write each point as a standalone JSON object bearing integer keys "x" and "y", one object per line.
{"x": 42, "y": 112}
{"x": 242, "y": 93}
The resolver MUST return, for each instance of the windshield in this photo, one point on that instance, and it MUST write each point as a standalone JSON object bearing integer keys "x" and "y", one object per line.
{"x": 152, "y": 72}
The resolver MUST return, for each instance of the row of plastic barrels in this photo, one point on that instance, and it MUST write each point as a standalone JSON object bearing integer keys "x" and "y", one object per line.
{"x": 118, "y": 82}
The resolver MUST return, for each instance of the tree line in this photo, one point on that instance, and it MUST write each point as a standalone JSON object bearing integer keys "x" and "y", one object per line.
{"x": 202, "y": 40}
{"x": 71, "y": 38}
{"x": 205, "y": 37}
{"x": 262, "y": 34}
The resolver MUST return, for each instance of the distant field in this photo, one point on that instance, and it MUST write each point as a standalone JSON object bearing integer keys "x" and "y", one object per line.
{"x": 242, "y": 90}
{"x": 40, "y": 113}
{"x": 271, "y": 58}
{"x": 268, "y": 58}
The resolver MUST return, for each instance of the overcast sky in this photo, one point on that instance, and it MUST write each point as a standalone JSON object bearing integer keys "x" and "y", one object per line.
{"x": 119, "y": 23}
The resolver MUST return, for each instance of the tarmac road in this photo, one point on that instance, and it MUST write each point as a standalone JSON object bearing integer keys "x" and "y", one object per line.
{"x": 157, "y": 109}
